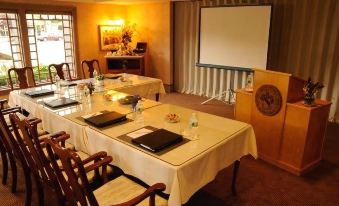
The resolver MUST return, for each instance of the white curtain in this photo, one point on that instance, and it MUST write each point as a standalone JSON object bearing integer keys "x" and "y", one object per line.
{"x": 304, "y": 42}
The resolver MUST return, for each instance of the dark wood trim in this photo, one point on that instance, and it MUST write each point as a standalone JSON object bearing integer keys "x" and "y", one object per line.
{"x": 37, "y": 7}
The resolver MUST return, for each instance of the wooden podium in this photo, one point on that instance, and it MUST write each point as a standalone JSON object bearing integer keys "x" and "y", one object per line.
{"x": 289, "y": 134}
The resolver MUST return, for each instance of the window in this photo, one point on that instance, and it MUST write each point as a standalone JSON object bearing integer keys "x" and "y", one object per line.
{"x": 10, "y": 45}
{"x": 49, "y": 40}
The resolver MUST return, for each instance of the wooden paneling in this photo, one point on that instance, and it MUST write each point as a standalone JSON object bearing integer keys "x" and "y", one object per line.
{"x": 303, "y": 136}
{"x": 243, "y": 106}
{"x": 269, "y": 137}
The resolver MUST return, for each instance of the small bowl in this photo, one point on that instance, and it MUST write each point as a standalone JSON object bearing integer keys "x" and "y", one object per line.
{"x": 172, "y": 118}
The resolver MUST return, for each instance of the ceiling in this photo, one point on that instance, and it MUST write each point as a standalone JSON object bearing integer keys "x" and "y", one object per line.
{"x": 121, "y": 1}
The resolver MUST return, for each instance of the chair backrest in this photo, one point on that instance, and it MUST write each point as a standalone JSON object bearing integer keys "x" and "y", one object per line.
{"x": 30, "y": 144}
{"x": 76, "y": 186}
{"x": 61, "y": 70}
{"x": 25, "y": 77}
{"x": 91, "y": 67}
{"x": 13, "y": 147}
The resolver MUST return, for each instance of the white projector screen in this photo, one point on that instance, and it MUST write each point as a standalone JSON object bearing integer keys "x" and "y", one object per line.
{"x": 235, "y": 36}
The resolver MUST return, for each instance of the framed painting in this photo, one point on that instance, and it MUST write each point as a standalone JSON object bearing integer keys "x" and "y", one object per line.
{"x": 110, "y": 37}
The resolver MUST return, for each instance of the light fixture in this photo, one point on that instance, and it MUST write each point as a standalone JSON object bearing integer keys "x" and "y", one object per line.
{"x": 117, "y": 22}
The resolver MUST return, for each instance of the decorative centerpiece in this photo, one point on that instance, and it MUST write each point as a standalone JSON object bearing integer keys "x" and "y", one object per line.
{"x": 135, "y": 100}
{"x": 90, "y": 87}
{"x": 310, "y": 89}
{"x": 172, "y": 118}
{"x": 99, "y": 80}
{"x": 126, "y": 38}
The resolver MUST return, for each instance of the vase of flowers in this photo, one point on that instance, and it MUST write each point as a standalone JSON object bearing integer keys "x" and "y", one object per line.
{"x": 90, "y": 88}
{"x": 310, "y": 90}
{"x": 99, "y": 80}
{"x": 126, "y": 38}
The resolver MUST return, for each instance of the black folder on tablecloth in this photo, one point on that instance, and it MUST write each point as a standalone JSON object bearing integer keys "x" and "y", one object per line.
{"x": 106, "y": 119}
{"x": 62, "y": 102}
{"x": 158, "y": 140}
{"x": 39, "y": 93}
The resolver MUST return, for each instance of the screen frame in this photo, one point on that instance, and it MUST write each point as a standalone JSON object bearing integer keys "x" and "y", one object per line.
{"x": 227, "y": 67}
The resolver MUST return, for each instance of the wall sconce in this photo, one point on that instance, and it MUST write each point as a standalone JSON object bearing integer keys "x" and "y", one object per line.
{"x": 118, "y": 22}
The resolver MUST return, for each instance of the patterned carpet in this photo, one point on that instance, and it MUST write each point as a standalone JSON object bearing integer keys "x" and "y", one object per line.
{"x": 258, "y": 183}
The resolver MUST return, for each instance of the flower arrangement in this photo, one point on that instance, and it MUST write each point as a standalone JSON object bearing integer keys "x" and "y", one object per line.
{"x": 127, "y": 33}
{"x": 90, "y": 87}
{"x": 310, "y": 89}
{"x": 100, "y": 77}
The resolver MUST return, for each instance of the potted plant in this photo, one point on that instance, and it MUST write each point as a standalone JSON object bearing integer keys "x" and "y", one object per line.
{"x": 99, "y": 80}
{"x": 310, "y": 89}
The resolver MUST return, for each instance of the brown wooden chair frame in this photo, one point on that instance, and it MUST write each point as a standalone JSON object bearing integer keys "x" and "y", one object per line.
{"x": 40, "y": 164}
{"x": 80, "y": 193}
{"x": 90, "y": 65}
{"x": 59, "y": 71}
{"x": 22, "y": 77}
{"x": 3, "y": 150}
{"x": 14, "y": 153}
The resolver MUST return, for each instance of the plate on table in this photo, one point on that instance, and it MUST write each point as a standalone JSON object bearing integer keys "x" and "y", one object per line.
{"x": 126, "y": 100}
{"x": 172, "y": 118}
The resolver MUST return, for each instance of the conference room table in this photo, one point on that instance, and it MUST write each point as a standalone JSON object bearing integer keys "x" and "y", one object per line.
{"x": 183, "y": 168}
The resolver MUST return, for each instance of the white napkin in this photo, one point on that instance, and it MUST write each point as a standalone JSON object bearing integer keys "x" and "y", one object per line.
{"x": 139, "y": 133}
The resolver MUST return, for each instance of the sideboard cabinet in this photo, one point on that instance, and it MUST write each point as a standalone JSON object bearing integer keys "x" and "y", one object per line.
{"x": 126, "y": 64}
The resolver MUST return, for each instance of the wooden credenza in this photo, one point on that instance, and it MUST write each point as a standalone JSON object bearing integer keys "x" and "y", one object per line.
{"x": 126, "y": 64}
{"x": 292, "y": 138}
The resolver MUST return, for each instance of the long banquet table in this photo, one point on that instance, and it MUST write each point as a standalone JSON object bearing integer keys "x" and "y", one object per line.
{"x": 184, "y": 169}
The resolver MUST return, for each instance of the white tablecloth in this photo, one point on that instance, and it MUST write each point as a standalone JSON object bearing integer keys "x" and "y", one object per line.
{"x": 67, "y": 118}
{"x": 184, "y": 170}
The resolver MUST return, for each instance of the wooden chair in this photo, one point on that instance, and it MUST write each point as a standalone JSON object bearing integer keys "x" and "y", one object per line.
{"x": 15, "y": 155}
{"x": 33, "y": 147}
{"x": 3, "y": 151}
{"x": 91, "y": 67}
{"x": 25, "y": 80}
{"x": 120, "y": 191}
{"x": 61, "y": 70}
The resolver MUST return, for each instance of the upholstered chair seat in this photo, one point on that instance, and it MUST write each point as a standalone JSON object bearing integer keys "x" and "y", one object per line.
{"x": 121, "y": 190}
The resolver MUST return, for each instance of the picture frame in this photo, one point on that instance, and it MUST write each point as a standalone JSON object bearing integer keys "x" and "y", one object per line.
{"x": 109, "y": 37}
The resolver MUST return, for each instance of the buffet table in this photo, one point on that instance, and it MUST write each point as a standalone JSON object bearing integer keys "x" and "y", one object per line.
{"x": 184, "y": 169}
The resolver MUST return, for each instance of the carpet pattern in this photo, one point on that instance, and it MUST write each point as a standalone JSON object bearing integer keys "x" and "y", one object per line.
{"x": 258, "y": 183}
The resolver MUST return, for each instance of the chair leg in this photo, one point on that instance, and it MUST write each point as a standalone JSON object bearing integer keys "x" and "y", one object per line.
{"x": 14, "y": 173}
{"x": 40, "y": 188}
{"x": 28, "y": 183}
{"x": 235, "y": 174}
{"x": 4, "y": 166}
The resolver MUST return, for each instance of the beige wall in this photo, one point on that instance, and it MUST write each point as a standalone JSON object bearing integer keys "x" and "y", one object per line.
{"x": 153, "y": 26}
{"x": 89, "y": 16}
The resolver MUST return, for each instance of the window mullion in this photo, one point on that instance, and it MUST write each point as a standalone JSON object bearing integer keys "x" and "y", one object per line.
{"x": 10, "y": 38}
{"x": 36, "y": 51}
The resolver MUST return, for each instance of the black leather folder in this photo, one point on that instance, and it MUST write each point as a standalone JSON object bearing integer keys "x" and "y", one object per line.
{"x": 106, "y": 119}
{"x": 39, "y": 93}
{"x": 62, "y": 102}
{"x": 68, "y": 84}
{"x": 158, "y": 140}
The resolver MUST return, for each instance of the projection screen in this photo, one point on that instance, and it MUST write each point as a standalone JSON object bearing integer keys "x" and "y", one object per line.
{"x": 235, "y": 36}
